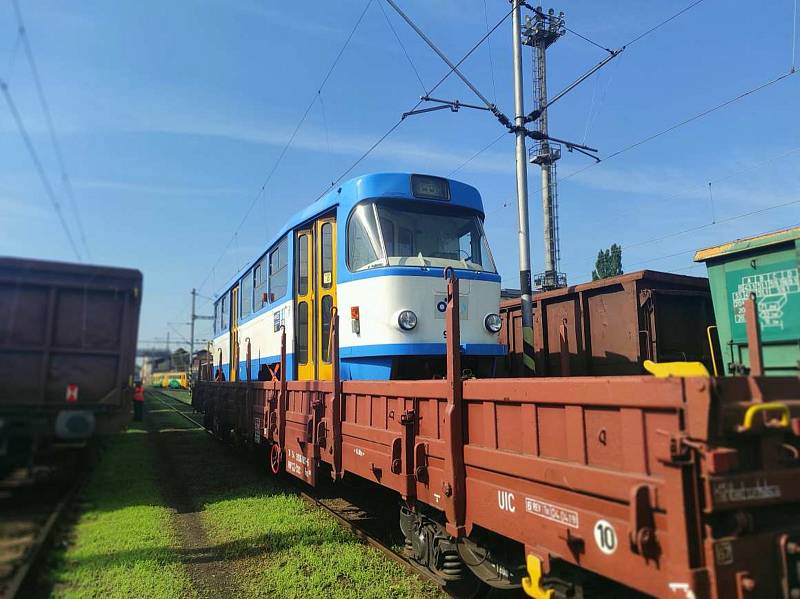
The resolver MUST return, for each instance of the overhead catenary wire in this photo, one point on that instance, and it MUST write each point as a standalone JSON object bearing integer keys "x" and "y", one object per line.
{"x": 325, "y": 127}
{"x": 712, "y": 224}
{"x": 700, "y": 228}
{"x": 452, "y": 68}
{"x": 65, "y": 180}
{"x": 597, "y": 104}
{"x": 662, "y": 23}
{"x": 613, "y": 54}
{"x": 737, "y": 172}
{"x": 489, "y": 51}
{"x": 288, "y": 144}
{"x": 12, "y": 57}
{"x": 591, "y": 41}
{"x": 403, "y": 48}
{"x": 38, "y": 166}
{"x": 476, "y": 154}
{"x": 683, "y": 122}
{"x": 794, "y": 37}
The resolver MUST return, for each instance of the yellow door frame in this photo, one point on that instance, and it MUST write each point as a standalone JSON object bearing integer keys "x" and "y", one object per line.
{"x": 305, "y": 302}
{"x": 234, "y": 338}
{"x": 325, "y": 289}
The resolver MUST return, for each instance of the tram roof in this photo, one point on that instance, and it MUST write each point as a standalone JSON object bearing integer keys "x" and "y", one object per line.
{"x": 358, "y": 189}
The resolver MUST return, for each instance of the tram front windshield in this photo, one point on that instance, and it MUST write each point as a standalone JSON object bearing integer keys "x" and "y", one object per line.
{"x": 425, "y": 235}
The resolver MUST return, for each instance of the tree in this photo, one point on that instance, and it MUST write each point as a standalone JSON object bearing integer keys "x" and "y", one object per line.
{"x": 609, "y": 263}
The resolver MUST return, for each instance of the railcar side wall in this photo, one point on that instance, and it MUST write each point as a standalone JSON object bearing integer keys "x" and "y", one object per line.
{"x": 609, "y": 327}
{"x": 628, "y": 477}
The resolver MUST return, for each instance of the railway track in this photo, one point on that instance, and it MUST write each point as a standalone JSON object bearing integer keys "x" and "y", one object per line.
{"x": 370, "y": 513}
{"x": 360, "y": 521}
{"x": 33, "y": 501}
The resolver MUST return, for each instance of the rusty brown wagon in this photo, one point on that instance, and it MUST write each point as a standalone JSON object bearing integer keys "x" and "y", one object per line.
{"x": 675, "y": 487}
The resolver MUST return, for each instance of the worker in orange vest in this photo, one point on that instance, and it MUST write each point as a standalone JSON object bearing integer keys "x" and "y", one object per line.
{"x": 138, "y": 401}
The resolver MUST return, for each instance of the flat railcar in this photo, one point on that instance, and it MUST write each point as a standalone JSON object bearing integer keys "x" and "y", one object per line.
{"x": 376, "y": 249}
{"x": 68, "y": 345}
{"x": 684, "y": 485}
{"x": 674, "y": 487}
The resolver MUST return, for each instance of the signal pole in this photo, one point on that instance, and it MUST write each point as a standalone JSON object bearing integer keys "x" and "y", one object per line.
{"x": 191, "y": 333}
{"x": 522, "y": 193}
{"x": 541, "y": 31}
{"x": 191, "y": 324}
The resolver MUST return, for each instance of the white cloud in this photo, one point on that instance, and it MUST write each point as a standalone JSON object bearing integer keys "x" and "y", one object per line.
{"x": 170, "y": 190}
{"x": 340, "y": 143}
{"x": 744, "y": 184}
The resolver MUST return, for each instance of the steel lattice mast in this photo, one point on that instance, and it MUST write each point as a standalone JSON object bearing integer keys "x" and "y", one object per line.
{"x": 542, "y": 30}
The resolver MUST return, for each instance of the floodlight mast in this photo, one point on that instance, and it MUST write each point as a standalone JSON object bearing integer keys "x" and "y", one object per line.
{"x": 540, "y": 32}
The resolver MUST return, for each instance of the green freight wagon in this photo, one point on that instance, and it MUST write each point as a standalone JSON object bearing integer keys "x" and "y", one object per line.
{"x": 766, "y": 265}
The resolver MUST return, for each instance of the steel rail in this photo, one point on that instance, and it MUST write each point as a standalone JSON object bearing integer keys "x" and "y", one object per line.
{"x": 35, "y": 550}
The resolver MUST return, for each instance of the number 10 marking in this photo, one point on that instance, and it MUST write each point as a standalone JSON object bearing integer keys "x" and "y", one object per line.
{"x": 605, "y": 537}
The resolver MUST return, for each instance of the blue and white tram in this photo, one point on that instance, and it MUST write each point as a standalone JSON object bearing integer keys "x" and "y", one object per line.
{"x": 376, "y": 248}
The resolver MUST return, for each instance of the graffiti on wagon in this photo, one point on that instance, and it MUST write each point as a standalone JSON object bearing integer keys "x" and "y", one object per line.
{"x": 772, "y": 291}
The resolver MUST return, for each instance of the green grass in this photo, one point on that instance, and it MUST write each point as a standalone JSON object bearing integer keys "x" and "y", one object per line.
{"x": 123, "y": 544}
{"x": 266, "y": 541}
{"x": 277, "y": 543}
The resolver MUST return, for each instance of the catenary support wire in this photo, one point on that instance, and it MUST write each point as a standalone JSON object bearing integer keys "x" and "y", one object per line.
{"x": 403, "y": 48}
{"x": 65, "y": 180}
{"x": 288, "y": 144}
{"x": 686, "y": 121}
{"x": 399, "y": 122}
{"x": 39, "y": 168}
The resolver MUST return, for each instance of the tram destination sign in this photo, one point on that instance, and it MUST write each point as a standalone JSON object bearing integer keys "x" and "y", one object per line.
{"x": 430, "y": 188}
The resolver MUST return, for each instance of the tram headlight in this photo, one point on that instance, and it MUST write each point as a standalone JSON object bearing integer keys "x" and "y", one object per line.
{"x": 493, "y": 323}
{"x": 407, "y": 320}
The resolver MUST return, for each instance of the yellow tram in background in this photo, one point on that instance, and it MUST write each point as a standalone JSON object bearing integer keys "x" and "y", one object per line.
{"x": 170, "y": 380}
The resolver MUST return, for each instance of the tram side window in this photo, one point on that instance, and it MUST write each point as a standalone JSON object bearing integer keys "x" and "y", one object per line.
{"x": 387, "y": 228}
{"x": 327, "y": 256}
{"x": 216, "y": 318}
{"x": 246, "y": 295}
{"x": 327, "y": 304}
{"x": 302, "y": 265}
{"x": 363, "y": 244}
{"x": 259, "y": 285}
{"x": 223, "y": 313}
{"x": 472, "y": 248}
{"x": 405, "y": 242}
{"x": 278, "y": 271}
{"x": 302, "y": 333}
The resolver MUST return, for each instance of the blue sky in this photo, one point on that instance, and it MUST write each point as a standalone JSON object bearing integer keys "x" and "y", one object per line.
{"x": 171, "y": 115}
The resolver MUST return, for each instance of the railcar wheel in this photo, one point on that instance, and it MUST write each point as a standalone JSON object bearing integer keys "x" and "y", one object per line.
{"x": 275, "y": 459}
{"x": 428, "y": 544}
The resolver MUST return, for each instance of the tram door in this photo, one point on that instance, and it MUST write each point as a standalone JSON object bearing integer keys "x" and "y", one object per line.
{"x": 315, "y": 269}
{"x": 234, "y": 336}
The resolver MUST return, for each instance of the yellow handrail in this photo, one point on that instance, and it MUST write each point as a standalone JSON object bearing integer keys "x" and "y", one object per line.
{"x": 711, "y": 348}
{"x": 751, "y": 412}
